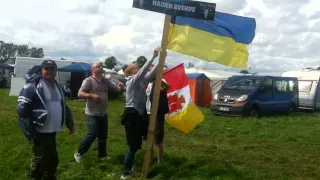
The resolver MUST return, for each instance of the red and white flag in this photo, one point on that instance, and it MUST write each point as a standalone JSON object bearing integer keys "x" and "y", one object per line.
{"x": 183, "y": 114}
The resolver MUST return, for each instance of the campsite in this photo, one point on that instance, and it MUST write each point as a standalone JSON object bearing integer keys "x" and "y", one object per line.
{"x": 221, "y": 147}
{"x": 282, "y": 147}
{"x": 159, "y": 90}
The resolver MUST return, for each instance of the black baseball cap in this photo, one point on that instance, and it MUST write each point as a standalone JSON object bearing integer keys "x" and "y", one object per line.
{"x": 48, "y": 63}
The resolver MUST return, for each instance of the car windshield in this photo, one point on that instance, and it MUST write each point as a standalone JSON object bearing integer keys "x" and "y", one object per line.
{"x": 242, "y": 83}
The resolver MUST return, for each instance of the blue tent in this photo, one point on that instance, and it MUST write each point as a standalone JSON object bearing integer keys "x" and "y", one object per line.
{"x": 197, "y": 76}
{"x": 77, "y": 67}
{"x": 5, "y": 66}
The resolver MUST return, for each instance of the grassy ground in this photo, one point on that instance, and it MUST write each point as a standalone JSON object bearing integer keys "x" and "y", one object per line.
{"x": 220, "y": 148}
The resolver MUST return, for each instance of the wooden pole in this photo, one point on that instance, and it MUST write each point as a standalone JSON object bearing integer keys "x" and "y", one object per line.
{"x": 154, "y": 109}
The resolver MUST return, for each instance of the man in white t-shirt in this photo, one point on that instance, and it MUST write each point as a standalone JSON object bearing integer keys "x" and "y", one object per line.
{"x": 163, "y": 109}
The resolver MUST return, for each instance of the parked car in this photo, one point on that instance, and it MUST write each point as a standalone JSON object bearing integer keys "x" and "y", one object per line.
{"x": 249, "y": 95}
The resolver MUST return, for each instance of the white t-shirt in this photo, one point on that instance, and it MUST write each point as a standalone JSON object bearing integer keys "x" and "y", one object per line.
{"x": 148, "y": 102}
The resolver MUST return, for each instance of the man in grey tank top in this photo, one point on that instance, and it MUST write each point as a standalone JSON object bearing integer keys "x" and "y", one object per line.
{"x": 95, "y": 89}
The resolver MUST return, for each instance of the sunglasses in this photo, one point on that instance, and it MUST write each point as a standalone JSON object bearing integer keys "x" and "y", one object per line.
{"x": 100, "y": 67}
{"x": 49, "y": 68}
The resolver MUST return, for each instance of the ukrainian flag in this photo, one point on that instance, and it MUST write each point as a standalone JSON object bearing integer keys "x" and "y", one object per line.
{"x": 224, "y": 40}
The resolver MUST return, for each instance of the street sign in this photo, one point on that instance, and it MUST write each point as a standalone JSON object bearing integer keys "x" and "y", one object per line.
{"x": 185, "y": 8}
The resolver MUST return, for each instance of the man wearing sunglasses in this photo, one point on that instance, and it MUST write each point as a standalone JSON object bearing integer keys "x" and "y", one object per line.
{"x": 42, "y": 111}
{"x": 95, "y": 89}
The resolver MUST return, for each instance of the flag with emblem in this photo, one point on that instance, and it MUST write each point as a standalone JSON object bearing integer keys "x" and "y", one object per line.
{"x": 183, "y": 114}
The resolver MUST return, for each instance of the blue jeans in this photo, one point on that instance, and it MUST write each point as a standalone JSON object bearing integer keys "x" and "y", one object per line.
{"x": 97, "y": 127}
{"x": 128, "y": 160}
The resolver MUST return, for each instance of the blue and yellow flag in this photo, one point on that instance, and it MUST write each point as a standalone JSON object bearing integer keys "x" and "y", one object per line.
{"x": 224, "y": 40}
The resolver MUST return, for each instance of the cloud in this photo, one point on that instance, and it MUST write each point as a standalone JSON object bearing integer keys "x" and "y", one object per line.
{"x": 287, "y": 35}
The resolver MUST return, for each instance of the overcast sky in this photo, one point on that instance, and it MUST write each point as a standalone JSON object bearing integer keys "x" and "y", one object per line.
{"x": 287, "y": 35}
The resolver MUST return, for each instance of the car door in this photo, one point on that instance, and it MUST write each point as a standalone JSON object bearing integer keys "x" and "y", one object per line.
{"x": 265, "y": 95}
{"x": 282, "y": 95}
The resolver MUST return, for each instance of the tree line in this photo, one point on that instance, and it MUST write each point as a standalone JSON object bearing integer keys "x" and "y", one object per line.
{"x": 8, "y": 51}
{"x": 11, "y": 50}
{"x": 111, "y": 62}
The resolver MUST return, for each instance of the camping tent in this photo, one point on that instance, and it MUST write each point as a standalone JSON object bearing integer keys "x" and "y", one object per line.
{"x": 200, "y": 89}
{"x": 213, "y": 74}
{"x": 79, "y": 71}
{"x": 120, "y": 71}
{"x": 217, "y": 77}
{"x": 4, "y": 74}
{"x": 277, "y": 73}
{"x": 77, "y": 67}
{"x": 109, "y": 71}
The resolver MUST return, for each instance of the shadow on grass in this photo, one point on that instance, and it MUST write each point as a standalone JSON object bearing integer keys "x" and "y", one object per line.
{"x": 204, "y": 169}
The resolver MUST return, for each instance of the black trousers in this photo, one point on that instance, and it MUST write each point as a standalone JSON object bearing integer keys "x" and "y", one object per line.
{"x": 159, "y": 128}
{"x": 134, "y": 126}
{"x": 44, "y": 161}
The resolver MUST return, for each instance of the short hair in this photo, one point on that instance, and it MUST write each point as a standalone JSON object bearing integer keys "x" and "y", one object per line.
{"x": 128, "y": 70}
{"x": 95, "y": 64}
{"x": 124, "y": 67}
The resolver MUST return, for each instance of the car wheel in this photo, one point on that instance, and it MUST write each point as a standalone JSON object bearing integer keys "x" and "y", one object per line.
{"x": 255, "y": 112}
{"x": 291, "y": 110}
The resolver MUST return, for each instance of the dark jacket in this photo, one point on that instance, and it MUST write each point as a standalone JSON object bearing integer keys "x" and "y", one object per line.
{"x": 31, "y": 109}
{"x": 163, "y": 106}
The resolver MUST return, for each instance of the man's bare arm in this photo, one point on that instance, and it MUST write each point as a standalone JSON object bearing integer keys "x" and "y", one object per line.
{"x": 85, "y": 89}
{"x": 84, "y": 95}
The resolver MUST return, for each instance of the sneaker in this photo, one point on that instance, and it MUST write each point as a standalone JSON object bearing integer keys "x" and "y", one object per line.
{"x": 125, "y": 176}
{"x": 78, "y": 157}
{"x": 130, "y": 175}
{"x": 105, "y": 158}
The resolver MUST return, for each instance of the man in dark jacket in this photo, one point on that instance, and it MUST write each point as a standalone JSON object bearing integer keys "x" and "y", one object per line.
{"x": 42, "y": 111}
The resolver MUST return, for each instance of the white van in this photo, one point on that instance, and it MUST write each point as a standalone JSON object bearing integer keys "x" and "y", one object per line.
{"x": 309, "y": 90}
{"x": 23, "y": 64}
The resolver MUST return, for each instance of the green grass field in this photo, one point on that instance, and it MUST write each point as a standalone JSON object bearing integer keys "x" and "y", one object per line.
{"x": 220, "y": 148}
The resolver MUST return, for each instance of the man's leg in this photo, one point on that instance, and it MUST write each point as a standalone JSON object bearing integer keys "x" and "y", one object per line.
{"x": 88, "y": 140}
{"x": 134, "y": 140}
{"x": 159, "y": 152}
{"x": 159, "y": 135}
{"x": 128, "y": 161}
{"x": 51, "y": 158}
{"x": 37, "y": 160}
{"x": 102, "y": 137}
{"x": 146, "y": 120}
